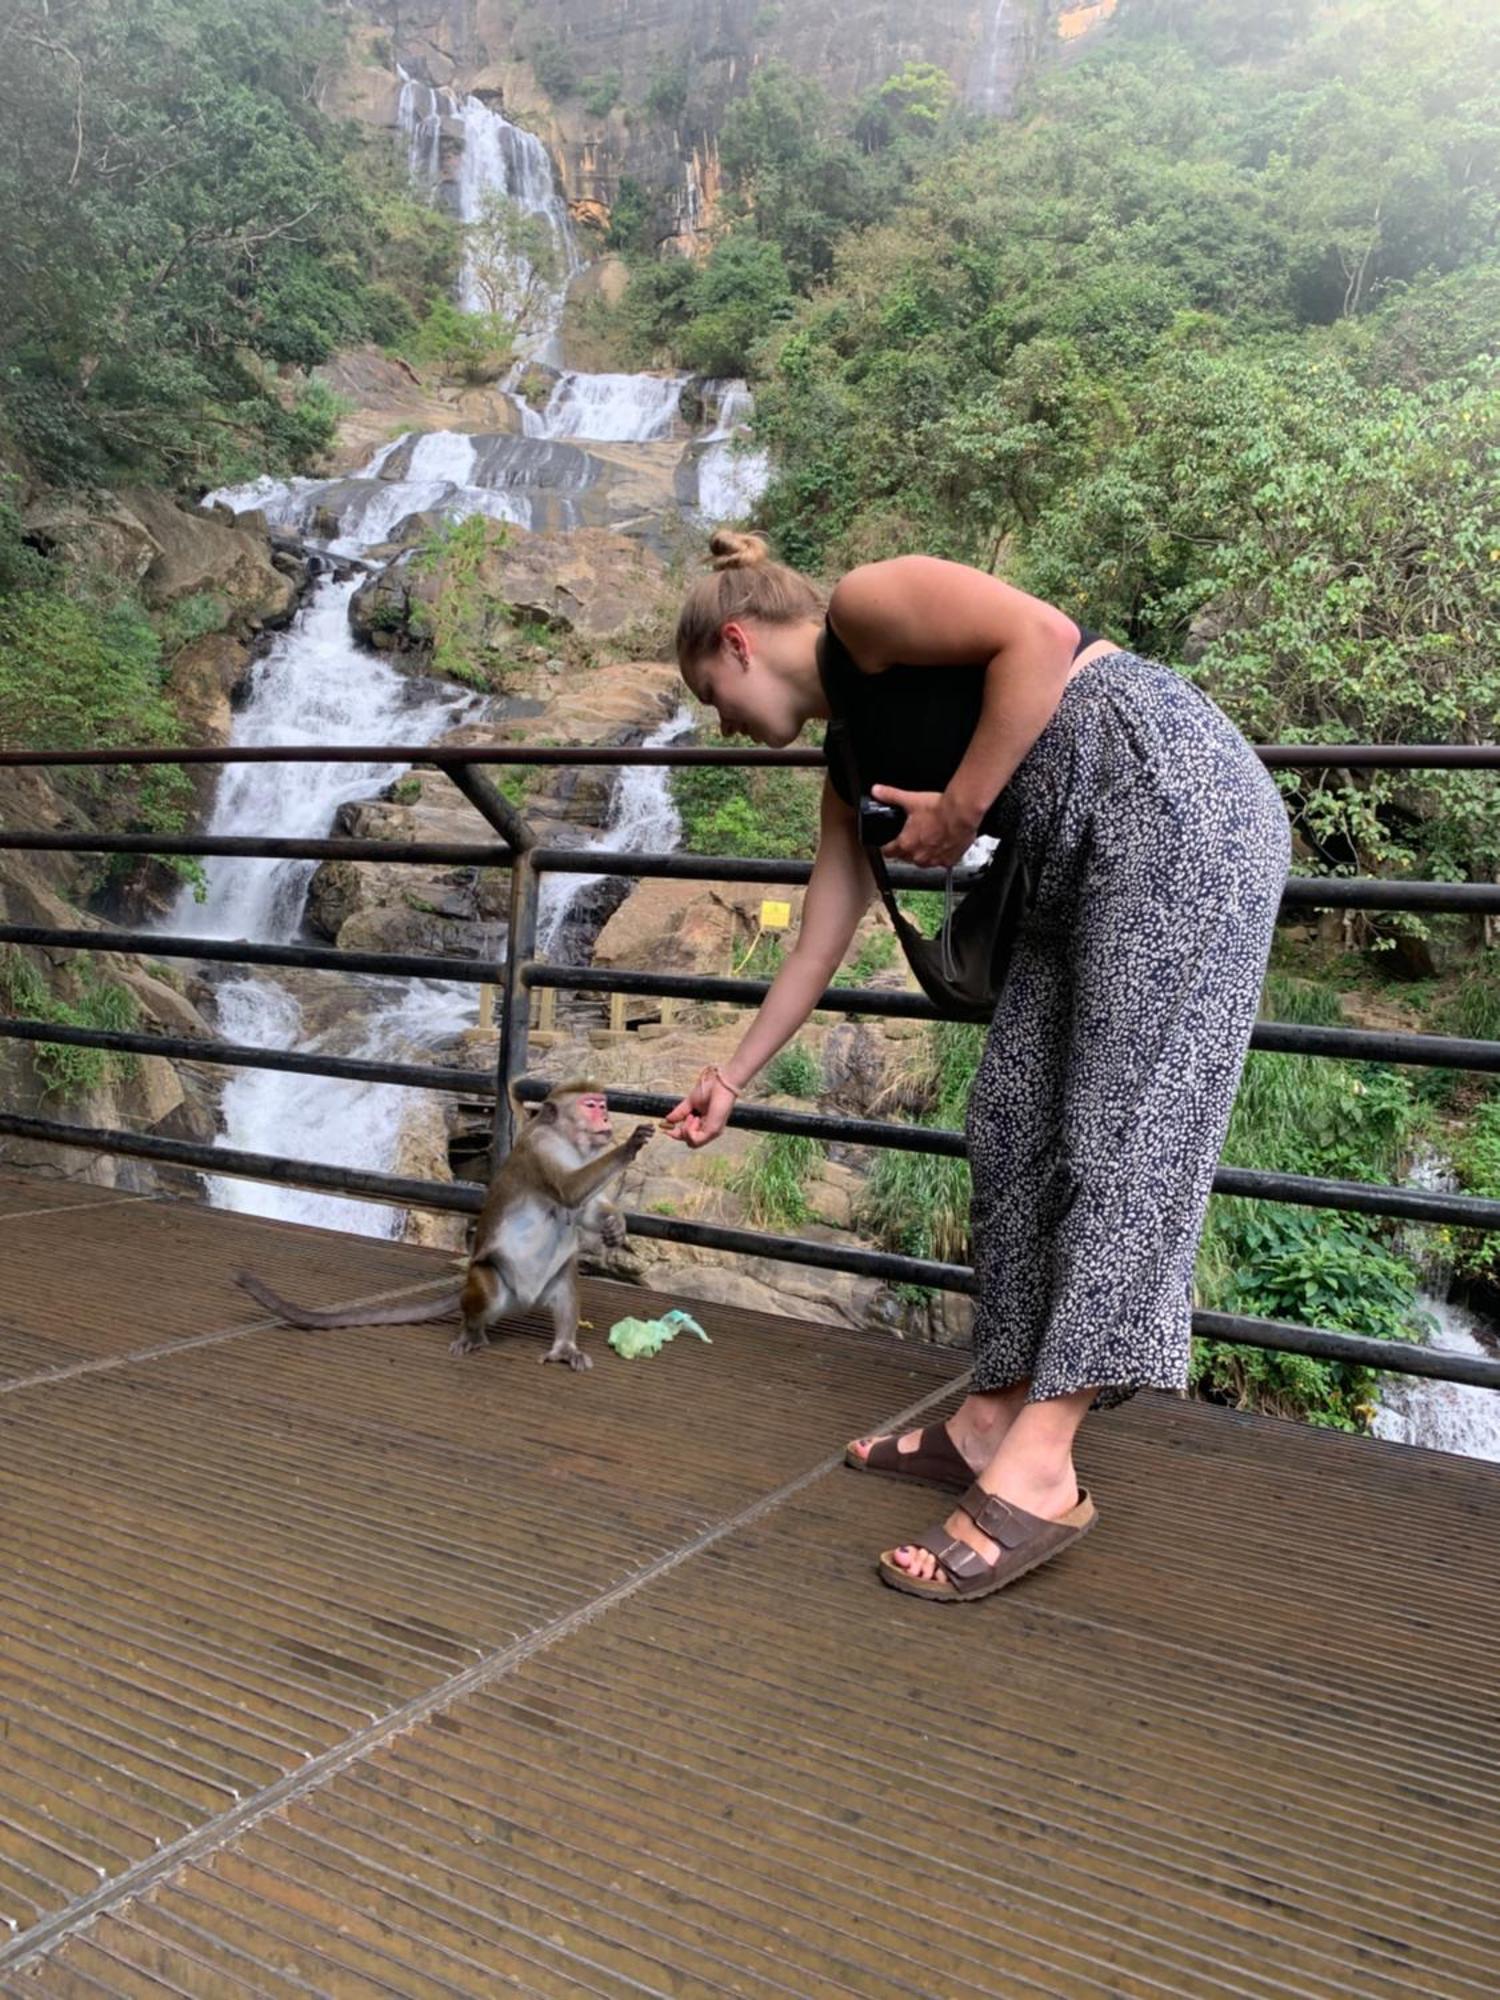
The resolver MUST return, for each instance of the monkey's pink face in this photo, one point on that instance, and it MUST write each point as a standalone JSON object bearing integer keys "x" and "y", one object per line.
{"x": 593, "y": 1112}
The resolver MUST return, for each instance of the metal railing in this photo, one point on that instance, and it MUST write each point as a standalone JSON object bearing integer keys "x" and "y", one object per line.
{"x": 521, "y": 972}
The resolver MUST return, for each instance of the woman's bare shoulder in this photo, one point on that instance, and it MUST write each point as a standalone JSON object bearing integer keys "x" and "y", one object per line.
{"x": 923, "y": 609}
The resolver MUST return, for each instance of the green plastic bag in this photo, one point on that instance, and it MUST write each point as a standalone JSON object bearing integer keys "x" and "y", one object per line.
{"x": 633, "y": 1338}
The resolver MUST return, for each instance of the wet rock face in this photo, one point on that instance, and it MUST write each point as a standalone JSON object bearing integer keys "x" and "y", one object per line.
{"x": 589, "y": 581}
{"x": 480, "y": 45}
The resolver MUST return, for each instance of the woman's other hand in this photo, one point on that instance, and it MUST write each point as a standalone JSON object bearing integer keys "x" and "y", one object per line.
{"x": 938, "y": 832}
{"x": 703, "y": 1113}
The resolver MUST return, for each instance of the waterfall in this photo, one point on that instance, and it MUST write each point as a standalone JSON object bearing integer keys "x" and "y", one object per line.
{"x": 496, "y": 157}
{"x": 621, "y": 409}
{"x": 315, "y": 686}
{"x": 732, "y": 476}
{"x": 994, "y": 71}
{"x": 1443, "y": 1416}
{"x": 643, "y": 818}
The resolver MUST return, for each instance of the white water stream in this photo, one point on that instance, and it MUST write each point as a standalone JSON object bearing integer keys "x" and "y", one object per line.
{"x": 316, "y": 686}
{"x": 643, "y": 819}
{"x": 991, "y": 80}
{"x": 1443, "y": 1416}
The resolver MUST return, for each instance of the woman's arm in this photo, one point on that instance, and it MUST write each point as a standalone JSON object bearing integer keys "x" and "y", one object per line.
{"x": 838, "y": 894}
{"x": 920, "y": 611}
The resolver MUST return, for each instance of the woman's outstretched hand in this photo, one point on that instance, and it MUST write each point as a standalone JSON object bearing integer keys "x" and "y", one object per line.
{"x": 703, "y": 1113}
{"x": 937, "y": 833}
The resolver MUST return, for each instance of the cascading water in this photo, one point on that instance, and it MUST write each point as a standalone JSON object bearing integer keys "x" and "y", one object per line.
{"x": 643, "y": 818}
{"x": 496, "y": 158}
{"x": 620, "y": 409}
{"x": 1442, "y": 1416}
{"x": 993, "y": 76}
{"x": 316, "y": 686}
{"x": 732, "y": 474}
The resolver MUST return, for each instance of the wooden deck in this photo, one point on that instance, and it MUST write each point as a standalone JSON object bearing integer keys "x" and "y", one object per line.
{"x": 331, "y": 1665}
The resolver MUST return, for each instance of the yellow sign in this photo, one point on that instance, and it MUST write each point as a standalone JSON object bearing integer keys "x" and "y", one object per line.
{"x": 775, "y": 916}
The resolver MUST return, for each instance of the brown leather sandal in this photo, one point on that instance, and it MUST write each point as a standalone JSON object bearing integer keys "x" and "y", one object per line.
{"x": 1025, "y": 1540}
{"x": 936, "y": 1459}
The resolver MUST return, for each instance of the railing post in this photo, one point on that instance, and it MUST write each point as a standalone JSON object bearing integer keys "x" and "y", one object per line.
{"x": 515, "y": 1001}
{"x": 520, "y": 945}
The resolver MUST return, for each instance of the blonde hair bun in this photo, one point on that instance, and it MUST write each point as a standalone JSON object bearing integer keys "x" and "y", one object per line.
{"x": 735, "y": 551}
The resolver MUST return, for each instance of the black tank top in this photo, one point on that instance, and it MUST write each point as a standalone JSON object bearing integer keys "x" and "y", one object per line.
{"x": 908, "y": 726}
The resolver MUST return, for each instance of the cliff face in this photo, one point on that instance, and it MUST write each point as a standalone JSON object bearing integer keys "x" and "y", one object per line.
{"x": 674, "y": 66}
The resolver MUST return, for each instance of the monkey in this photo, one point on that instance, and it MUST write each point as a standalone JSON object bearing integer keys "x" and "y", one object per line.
{"x": 548, "y": 1187}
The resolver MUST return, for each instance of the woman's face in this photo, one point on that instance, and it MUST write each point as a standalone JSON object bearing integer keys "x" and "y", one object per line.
{"x": 748, "y": 684}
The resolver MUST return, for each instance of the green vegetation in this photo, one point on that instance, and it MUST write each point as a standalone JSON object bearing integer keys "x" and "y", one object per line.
{"x": 460, "y": 619}
{"x": 1348, "y": 1121}
{"x": 82, "y": 667}
{"x": 794, "y": 1072}
{"x": 916, "y": 1203}
{"x": 66, "y": 1070}
{"x": 747, "y": 812}
{"x": 187, "y": 234}
{"x": 802, "y": 174}
{"x": 774, "y": 1180}
{"x": 1202, "y": 348}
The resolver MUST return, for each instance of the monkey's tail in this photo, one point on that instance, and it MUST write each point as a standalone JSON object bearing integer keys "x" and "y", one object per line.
{"x": 315, "y": 1322}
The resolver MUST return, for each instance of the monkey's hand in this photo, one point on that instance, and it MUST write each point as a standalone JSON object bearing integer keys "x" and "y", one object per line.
{"x": 612, "y": 1228}
{"x": 638, "y": 1140}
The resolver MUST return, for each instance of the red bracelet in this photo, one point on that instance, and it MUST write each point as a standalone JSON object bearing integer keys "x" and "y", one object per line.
{"x": 712, "y": 1069}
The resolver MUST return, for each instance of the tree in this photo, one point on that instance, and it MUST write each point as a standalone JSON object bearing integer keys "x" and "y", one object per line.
{"x": 182, "y": 222}
{"x": 513, "y": 263}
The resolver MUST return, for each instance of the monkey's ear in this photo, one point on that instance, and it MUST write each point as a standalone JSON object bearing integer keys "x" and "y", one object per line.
{"x": 546, "y": 1112}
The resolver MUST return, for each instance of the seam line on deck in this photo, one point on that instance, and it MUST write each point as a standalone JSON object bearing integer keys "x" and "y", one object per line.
{"x": 102, "y": 1363}
{"x": 217, "y": 1833}
{"x": 72, "y": 1207}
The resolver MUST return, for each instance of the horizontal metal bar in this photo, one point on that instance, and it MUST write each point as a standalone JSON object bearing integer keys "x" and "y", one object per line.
{"x": 801, "y": 1250}
{"x": 1390, "y": 1356}
{"x": 1458, "y": 1211}
{"x": 1380, "y": 756}
{"x": 459, "y": 1197}
{"x": 1285, "y": 1038}
{"x": 1358, "y": 1197}
{"x": 720, "y": 868}
{"x": 890, "y": 1001}
{"x": 440, "y": 757}
{"x": 1397, "y": 1357}
{"x": 1363, "y": 892}
{"x": 466, "y": 1198}
{"x": 1302, "y": 891}
{"x": 235, "y": 951}
{"x": 1278, "y": 756}
{"x": 1290, "y": 1038}
{"x": 237, "y": 1055}
{"x": 1455, "y": 1211}
{"x": 454, "y": 853}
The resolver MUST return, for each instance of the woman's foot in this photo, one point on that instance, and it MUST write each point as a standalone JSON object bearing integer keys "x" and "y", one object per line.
{"x": 976, "y": 1429}
{"x": 1048, "y": 1495}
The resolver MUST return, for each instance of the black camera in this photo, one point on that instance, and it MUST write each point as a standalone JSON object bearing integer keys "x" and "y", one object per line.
{"x": 879, "y": 824}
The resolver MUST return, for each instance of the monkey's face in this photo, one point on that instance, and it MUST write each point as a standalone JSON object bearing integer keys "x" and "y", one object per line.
{"x": 594, "y": 1125}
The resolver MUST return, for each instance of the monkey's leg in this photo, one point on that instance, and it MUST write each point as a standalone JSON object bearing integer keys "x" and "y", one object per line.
{"x": 561, "y": 1300}
{"x": 485, "y": 1299}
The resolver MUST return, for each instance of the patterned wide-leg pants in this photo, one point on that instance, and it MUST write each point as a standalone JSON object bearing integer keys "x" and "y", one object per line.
{"x": 1158, "y": 846}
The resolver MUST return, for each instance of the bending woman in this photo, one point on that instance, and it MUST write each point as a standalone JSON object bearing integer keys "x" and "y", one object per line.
{"x": 1157, "y": 848}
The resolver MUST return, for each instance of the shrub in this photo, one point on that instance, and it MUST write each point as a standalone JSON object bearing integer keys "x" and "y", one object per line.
{"x": 794, "y": 1072}
{"x": 65, "y": 1069}
{"x": 774, "y": 1179}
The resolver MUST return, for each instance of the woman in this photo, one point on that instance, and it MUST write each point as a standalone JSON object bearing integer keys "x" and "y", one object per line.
{"x": 1157, "y": 848}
